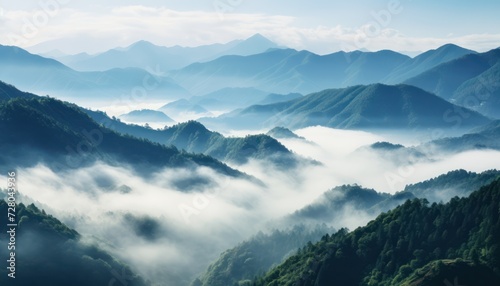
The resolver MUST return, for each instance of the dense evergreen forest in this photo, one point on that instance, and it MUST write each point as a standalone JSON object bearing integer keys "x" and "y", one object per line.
{"x": 417, "y": 243}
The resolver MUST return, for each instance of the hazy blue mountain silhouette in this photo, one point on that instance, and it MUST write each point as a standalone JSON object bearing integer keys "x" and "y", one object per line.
{"x": 43, "y": 129}
{"x": 193, "y": 137}
{"x": 46, "y": 76}
{"x": 425, "y": 61}
{"x": 470, "y": 81}
{"x": 485, "y": 137}
{"x": 144, "y": 54}
{"x": 182, "y": 107}
{"x": 288, "y": 70}
{"x": 146, "y": 115}
{"x": 375, "y": 106}
{"x": 230, "y": 98}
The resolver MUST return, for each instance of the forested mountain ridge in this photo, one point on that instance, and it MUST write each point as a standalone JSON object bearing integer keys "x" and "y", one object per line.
{"x": 238, "y": 265}
{"x": 47, "y": 130}
{"x": 257, "y": 255}
{"x": 41, "y": 75}
{"x": 8, "y": 91}
{"x": 193, "y": 136}
{"x": 370, "y": 107}
{"x": 289, "y": 70}
{"x": 470, "y": 81}
{"x": 393, "y": 247}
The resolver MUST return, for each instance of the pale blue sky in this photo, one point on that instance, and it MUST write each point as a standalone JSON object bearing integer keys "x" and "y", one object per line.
{"x": 321, "y": 26}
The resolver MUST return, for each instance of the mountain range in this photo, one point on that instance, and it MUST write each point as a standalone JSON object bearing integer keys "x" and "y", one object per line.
{"x": 144, "y": 55}
{"x": 239, "y": 265}
{"x": 454, "y": 73}
{"x": 288, "y": 70}
{"x": 182, "y": 107}
{"x": 413, "y": 244}
{"x": 238, "y": 97}
{"x": 428, "y": 233}
{"x": 334, "y": 202}
{"x": 46, "y": 130}
{"x": 374, "y": 106}
{"x": 470, "y": 81}
{"x": 283, "y": 133}
{"x": 193, "y": 137}
{"x": 146, "y": 115}
{"x": 92, "y": 135}
{"x": 41, "y": 75}
{"x": 485, "y": 137}
{"x": 269, "y": 250}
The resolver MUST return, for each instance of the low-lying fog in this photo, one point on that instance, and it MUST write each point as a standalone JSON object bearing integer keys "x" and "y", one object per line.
{"x": 167, "y": 234}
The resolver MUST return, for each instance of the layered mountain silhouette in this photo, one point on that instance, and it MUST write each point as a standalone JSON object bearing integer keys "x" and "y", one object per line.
{"x": 335, "y": 202}
{"x": 375, "y": 106}
{"x": 426, "y": 61}
{"x": 413, "y": 244}
{"x": 46, "y": 76}
{"x": 470, "y": 81}
{"x": 330, "y": 207}
{"x": 283, "y": 133}
{"x": 230, "y": 98}
{"x": 143, "y": 54}
{"x": 239, "y": 265}
{"x": 8, "y": 91}
{"x": 485, "y": 137}
{"x": 452, "y": 184}
{"x": 192, "y": 136}
{"x": 183, "y": 107}
{"x": 146, "y": 115}
{"x": 270, "y": 71}
{"x": 43, "y": 129}
{"x": 288, "y": 70}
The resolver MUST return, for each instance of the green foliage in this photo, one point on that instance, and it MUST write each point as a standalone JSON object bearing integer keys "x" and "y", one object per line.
{"x": 241, "y": 264}
{"x": 59, "y": 133}
{"x": 452, "y": 272}
{"x": 454, "y": 183}
{"x": 283, "y": 133}
{"x": 192, "y": 136}
{"x": 392, "y": 247}
{"x": 332, "y": 203}
{"x": 470, "y": 81}
{"x": 375, "y": 106}
{"x": 8, "y": 91}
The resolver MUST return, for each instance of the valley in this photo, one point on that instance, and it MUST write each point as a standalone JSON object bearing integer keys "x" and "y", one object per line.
{"x": 155, "y": 151}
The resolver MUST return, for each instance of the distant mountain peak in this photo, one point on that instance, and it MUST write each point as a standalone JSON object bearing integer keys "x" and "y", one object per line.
{"x": 146, "y": 115}
{"x": 449, "y": 45}
{"x": 141, "y": 44}
{"x": 252, "y": 45}
{"x": 192, "y": 125}
{"x": 279, "y": 132}
{"x": 259, "y": 37}
{"x": 258, "y": 40}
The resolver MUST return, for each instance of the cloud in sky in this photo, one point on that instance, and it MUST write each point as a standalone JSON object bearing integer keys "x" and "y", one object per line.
{"x": 72, "y": 28}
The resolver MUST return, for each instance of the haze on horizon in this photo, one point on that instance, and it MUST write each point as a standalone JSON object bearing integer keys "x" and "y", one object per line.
{"x": 327, "y": 26}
